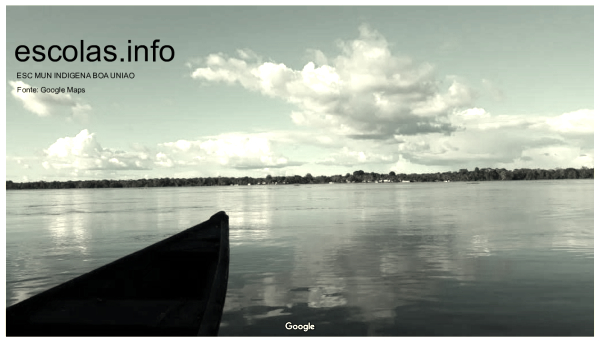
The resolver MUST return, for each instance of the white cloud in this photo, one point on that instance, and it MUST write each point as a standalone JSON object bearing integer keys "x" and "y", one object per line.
{"x": 84, "y": 152}
{"x": 510, "y": 141}
{"x": 232, "y": 150}
{"x": 549, "y": 157}
{"x": 365, "y": 91}
{"x": 348, "y": 157}
{"x": 83, "y": 144}
{"x": 580, "y": 121}
{"x": 163, "y": 160}
{"x": 49, "y": 104}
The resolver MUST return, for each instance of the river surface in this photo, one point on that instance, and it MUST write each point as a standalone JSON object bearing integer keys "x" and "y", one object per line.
{"x": 399, "y": 259}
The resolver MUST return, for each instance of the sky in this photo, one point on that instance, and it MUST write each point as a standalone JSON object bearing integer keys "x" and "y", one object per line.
{"x": 253, "y": 91}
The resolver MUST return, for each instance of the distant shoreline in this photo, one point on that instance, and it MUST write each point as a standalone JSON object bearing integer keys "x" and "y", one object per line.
{"x": 463, "y": 175}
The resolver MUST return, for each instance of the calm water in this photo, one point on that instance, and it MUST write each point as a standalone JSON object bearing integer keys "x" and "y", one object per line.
{"x": 494, "y": 258}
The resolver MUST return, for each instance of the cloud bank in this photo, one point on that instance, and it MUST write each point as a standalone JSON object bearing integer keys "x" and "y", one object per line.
{"x": 365, "y": 91}
{"x": 84, "y": 152}
{"x": 506, "y": 141}
{"x": 374, "y": 106}
{"x": 233, "y": 150}
{"x": 365, "y": 108}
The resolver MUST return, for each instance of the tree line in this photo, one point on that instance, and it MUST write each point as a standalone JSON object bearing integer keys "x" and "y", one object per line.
{"x": 463, "y": 175}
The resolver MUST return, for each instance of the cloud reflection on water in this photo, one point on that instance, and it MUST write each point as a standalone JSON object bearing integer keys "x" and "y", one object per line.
{"x": 388, "y": 254}
{"x": 356, "y": 259}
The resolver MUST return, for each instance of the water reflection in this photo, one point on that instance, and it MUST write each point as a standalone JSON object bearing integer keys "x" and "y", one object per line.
{"x": 363, "y": 259}
{"x": 250, "y": 209}
{"x": 480, "y": 246}
{"x": 47, "y": 248}
{"x": 69, "y": 234}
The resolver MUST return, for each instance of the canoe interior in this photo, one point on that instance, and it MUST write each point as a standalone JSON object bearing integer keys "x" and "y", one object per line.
{"x": 175, "y": 287}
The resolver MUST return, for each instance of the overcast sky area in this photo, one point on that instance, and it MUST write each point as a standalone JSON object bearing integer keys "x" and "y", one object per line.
{"x": 296, "y": 90}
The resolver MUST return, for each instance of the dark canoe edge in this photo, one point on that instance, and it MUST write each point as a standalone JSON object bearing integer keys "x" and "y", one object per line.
{"x": 216, "y": 301}
{"x": 211, "y": 318}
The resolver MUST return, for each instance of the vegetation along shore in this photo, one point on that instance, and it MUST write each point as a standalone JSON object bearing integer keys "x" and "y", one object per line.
{"x": 463, "y": 175}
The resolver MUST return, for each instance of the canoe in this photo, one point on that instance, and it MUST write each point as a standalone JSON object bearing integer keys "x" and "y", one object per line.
{"x": 175, "y": 287}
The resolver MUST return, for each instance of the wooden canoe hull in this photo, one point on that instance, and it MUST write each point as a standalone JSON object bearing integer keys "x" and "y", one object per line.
{"x": 175, "y": 287}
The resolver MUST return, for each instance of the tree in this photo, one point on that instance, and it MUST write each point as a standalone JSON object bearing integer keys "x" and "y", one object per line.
{"x": 308, "y": 178}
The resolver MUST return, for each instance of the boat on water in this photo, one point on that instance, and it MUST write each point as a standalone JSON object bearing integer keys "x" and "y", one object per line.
{"x": 175, "y": 287}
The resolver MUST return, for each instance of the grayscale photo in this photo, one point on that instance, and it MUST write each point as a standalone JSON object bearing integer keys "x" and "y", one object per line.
{"x": 335, "y": 170}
